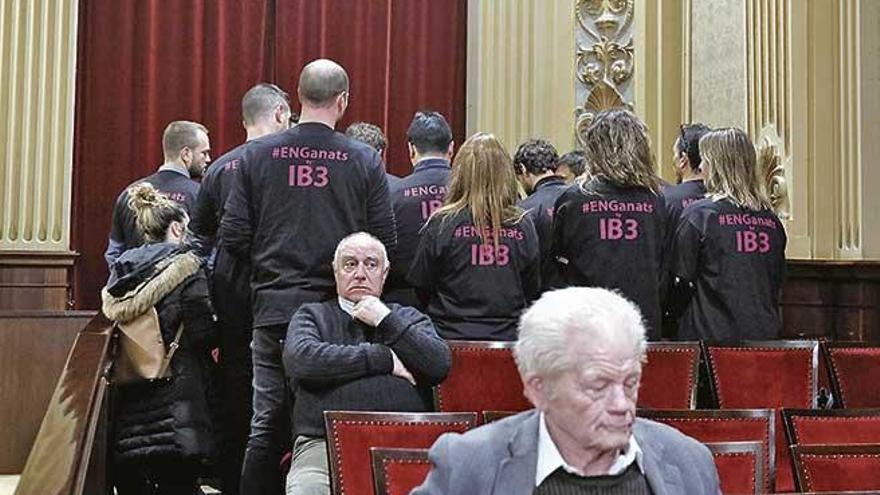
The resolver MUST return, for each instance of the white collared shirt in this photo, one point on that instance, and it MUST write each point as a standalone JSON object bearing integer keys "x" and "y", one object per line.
{"x": 346, "y": 305}
{"x": 549, "y": 458}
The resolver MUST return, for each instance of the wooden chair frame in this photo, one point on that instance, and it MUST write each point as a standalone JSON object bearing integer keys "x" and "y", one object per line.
{"x": 694, "y": 346}
{"x": 826, "y": 349}
{"x": 479, "y": 345}
{"x": 754, "y": 448}
{"x": 789, "y": 414}
{"x": 379, "y": 456}
{"x": 801, "y": 479}
{"x": 331, "y": 418}
{"x": 731, "y": 414}
{"x": 811, "y": 345}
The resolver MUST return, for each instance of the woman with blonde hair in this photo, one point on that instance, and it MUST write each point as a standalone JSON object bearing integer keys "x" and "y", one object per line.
{"x": 163, "y": 432}
{"x": 477, "y": 265}
{"x": 728, "y": 258}
{"x": 610, "y": 231}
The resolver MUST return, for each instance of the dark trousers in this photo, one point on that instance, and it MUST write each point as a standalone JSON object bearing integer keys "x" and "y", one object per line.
{"x": 156, "y": 478}
{"x": 236, "y": 373}
{"x": 270, "y": 434}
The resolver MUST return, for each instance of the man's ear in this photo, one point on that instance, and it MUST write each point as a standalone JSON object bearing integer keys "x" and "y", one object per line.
{"x": 450, "y": 151}
{"x": 535, "y": 389}
{"x": 412, "y": 151}
{"x": 185, "y": 155}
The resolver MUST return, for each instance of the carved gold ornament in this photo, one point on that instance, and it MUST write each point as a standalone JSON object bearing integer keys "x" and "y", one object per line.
{"x": 605, "y": 62}
{"x": 771, "y": 169}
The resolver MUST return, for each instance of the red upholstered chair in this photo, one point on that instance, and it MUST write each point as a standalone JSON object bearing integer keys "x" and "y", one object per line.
{"x": 836, "y": 468}
{"x": 855, "y": 373}
{"x": 490, "y": 416}
{"x": 753, "y": 425}
{"x": 740, "y": 467}
{"x": 836, "y": 426}
{"x": 669, "y": 378}
{"x": 771, "y": 374}
{"x": 483, "y": 377}
{"x": 351, "y": 434}
{"x": 398, "y": 471}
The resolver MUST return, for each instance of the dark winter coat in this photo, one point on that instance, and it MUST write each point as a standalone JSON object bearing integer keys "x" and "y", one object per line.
{"x": 165, "y": 419}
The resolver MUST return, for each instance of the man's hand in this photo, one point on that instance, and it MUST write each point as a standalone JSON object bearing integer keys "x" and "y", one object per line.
{"x": 401, "y": 371}
{"x": 370, "y": 310}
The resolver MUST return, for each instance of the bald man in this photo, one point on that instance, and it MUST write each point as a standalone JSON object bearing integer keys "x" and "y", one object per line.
{"x": 297, "y": 194}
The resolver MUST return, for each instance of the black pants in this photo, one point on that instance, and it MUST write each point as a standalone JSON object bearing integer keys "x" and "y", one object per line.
{"x": 236, "y": 392}
{"x": 270, "y": 434}
{"x": 156, "y": 478}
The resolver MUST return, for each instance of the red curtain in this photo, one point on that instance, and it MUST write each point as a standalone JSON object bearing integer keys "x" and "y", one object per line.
{"x": 144, "y": 63}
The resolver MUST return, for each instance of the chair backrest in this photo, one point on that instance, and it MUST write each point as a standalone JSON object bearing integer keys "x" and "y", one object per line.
{"x": 769, "y": 374}
{"x": 398, "y": 471}
{"x": 490, "y": 416}
{"x": 749, "y": 425}
{"x": 483, "y": 377}
{"x": 855, "y": 372}
{"x": 740, "y": 466}
{"x": 669, "y": 378}
{"x": 351, "y": 434}
{"x": 835, "y": 426}
{"x": 836, "y": 468}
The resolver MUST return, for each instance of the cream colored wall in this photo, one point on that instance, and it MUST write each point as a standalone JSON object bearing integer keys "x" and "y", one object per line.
{"x": 38, "y": 50}
{"x": 520, "y": 70}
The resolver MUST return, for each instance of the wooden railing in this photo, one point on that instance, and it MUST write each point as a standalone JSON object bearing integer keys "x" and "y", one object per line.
{"x": 69, "y": 453}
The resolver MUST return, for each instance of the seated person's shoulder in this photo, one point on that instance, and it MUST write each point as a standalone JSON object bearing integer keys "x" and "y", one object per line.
{"x": 488, "y": 441}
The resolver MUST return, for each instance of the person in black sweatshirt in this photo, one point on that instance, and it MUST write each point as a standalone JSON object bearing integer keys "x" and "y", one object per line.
{"x": 688, "y": 171}
{"x": 296, "y": 195}
{"x": 416, "y": 196}
{"x": 265, "y": 110}
{"x": 729, "y": 254}
{"x": 187, "y": 151}
{"x": 372, "y": 134}
{"x": 478, "y": 264}
{"x": 611, "y": 230}
{"x": 355, "y": 353}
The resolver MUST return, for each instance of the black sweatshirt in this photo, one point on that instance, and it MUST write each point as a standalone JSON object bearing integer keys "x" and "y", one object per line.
{"x": 473, "y": 291}
{"x": 613, "y": 237}
{"x": 735, "y": 258}
{"x": 414, "y": 197}
{"x": 339, "y": 363}
{"x": 541, "y": 205}
{"x": 296, "y": 195}
{"x": 230, "y": 277}
{"x": 680, "y": 196}
{"x": 124, "y": 233}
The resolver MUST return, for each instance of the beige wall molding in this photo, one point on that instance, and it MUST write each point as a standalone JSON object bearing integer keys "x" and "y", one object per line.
{"x": 38, "y": 69}
{"x": 605, "y": 59}
{"x": 521, "y": 65}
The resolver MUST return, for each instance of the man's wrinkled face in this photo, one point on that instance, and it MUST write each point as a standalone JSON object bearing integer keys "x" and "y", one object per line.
{"x": 594, "y": 404}
{"x": 360, "y": 270}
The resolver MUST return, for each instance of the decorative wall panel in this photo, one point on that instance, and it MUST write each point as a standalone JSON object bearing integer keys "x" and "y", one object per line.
{"x": 38, "y": 47}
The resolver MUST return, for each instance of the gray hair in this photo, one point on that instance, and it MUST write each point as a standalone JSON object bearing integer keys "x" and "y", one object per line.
{"x": 359, "y": 237}
{"x": 181, "y": 134}
{"x": 545, "y": 329}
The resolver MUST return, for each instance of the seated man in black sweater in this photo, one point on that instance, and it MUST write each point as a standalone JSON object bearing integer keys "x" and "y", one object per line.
{"x": 356, "y": 354}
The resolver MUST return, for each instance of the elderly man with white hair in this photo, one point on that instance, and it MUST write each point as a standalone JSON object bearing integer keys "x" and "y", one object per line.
{"x": 579, "y": 353}
{"x": 355, "y": 353}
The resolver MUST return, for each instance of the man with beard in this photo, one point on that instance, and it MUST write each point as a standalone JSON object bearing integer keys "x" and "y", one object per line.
{"x": 187, "y": 153}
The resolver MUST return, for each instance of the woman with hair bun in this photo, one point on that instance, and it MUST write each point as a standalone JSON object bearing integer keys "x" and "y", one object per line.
{"x": 162, "y": 428}
{"x": 729, "y": 249}
{"x": 478, "y": 265}
{"x": 610, "y": 231}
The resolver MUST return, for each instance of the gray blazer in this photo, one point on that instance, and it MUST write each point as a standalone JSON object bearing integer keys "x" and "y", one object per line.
{"x": 501, "y": 458}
